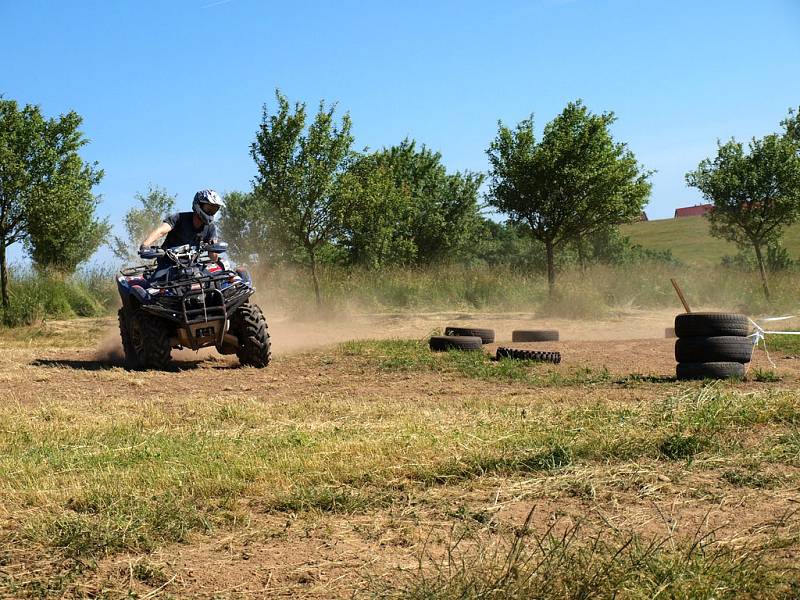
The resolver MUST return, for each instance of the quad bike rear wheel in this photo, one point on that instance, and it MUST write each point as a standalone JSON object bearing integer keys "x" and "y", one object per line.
{"x": 145, "y": 340}
{"x": 250, "y": 328}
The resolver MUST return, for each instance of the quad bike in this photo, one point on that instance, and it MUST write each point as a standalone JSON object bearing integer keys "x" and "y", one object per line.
{"x": 188, "y": 300}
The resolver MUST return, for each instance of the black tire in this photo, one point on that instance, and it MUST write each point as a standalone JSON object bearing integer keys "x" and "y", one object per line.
{"x": 710, "y": 370}
{"x": 250, "y": 328}
{"x": 131, "y": 358}
{"x": 486, "y": 335}
{"x": 150, "y": 342}
{"x": 534, "y": 355}
{"x": 534, "y": 335}
{"x": 440, "y": 343}
{"x": 726, "y": 348}
{"x": 711, "y": 325}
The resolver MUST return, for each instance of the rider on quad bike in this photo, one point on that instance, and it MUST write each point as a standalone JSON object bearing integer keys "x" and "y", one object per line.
{"x": 189, "y": 298}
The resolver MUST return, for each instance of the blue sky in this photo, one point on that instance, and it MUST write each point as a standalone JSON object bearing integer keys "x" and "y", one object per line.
{"x": 172, "y": 92}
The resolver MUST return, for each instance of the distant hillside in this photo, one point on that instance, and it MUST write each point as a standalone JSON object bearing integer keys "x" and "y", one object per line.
{"x": 690, "y": 242}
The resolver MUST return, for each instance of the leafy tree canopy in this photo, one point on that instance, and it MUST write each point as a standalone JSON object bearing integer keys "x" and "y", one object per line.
{"x": 756, "y": 193}
{"x": 297, "y": 186}
{"x": 576, "y": 181}
{"x": 140, "y": 221}
{"x": 791, "y": 126}
{"x": 46, "y": 198}
{"x": 404, "y": 208}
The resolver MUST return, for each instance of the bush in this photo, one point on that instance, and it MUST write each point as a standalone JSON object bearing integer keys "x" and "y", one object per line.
{"x": 35, "y": 296}
{"x": 776, "y": 260}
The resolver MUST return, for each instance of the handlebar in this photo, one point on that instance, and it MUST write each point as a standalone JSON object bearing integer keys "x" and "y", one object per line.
{"x": 149, "y": 252}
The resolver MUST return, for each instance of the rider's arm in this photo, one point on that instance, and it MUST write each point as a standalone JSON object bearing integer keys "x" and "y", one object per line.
{"x": 157, "y": 233}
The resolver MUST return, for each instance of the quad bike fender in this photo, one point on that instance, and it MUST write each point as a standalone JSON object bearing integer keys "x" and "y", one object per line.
{"x": 131, "y": 291}
{"x": 140, "y": 294}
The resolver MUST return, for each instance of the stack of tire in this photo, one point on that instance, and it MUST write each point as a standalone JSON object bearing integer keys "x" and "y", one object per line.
{"x": 461, "y": 338}
{"x": 712, "y": 345}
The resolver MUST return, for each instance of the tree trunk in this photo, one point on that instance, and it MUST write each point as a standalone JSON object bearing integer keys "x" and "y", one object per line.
{"x": 313, "y": 258}
{"x": 761, "y": 269}
{"x": 581, "y": 254}
{"x": 551, "y": 268}
{"x": 4, "y": 274}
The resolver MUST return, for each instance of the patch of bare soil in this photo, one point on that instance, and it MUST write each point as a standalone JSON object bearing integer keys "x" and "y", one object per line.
{"x": 291, "y": 336}
{"x": 326, "y": 555}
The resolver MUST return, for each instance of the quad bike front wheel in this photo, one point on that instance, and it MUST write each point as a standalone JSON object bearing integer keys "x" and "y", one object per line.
{"x": 250, "y": 328}
{"x": 145, "y": 340}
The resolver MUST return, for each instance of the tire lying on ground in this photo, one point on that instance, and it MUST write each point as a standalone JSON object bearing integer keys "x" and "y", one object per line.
{"x": 535, "y": 355}
{"x": 534, "y": 335}
{"x": 711, "y": 324}
{"x": 709, "y": 370}
{"x": 486, "y": 335}
{"x": 716, "y": 349}
{"x": 440, "y": 343}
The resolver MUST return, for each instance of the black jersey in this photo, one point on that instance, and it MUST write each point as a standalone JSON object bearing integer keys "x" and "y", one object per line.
{"x": 184, "y": 232}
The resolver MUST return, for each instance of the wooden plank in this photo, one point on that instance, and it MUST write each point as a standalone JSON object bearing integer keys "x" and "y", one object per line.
{"x": 680, "y": 295}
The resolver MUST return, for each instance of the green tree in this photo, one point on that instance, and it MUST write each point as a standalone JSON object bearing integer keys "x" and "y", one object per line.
{"x": 403, "y": 208}
{"x": 240, "y": 226}
{"x": 253, "y": 234}
{"x": 379, "y": 221}
{"x": 20, "y": 135}
{"x": 141, "y": 220}
{"x": 791, "y": 126}
{"x": 447, "y": 216}
{"x": 576, "y": 181}
{"x": 508, "y": 243}
{"x": 755, "y": 193}
{"x": 45, "y": 190}
{"x": 297, "y": 185}
{"x": 62, "y": 228}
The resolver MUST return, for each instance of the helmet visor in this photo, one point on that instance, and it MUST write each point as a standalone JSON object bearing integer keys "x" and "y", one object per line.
{"x": 209, "y": 209}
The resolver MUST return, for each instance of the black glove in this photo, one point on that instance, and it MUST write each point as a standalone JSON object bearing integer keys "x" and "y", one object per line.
{"x": 149, "y": 251}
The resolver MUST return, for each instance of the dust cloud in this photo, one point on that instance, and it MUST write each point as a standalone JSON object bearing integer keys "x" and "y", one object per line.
{"x": 291, "y": 334}
{"x": 109, "y": 349}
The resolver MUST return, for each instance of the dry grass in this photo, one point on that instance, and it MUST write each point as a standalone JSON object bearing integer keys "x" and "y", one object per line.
{"x": 376, "y": 468}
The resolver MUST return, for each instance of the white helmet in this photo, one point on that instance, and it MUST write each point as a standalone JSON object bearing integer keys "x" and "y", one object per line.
{"x": 206, "y": 204}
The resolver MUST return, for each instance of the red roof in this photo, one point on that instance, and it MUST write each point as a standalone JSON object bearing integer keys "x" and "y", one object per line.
{"x": 693, "y": 211}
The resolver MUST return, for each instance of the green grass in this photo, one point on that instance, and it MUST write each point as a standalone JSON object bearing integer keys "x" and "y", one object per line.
{"x": 97, "y": 485}
{"x": 80, "y": 484}
{"x": 415, "y": 355}
{"x": 689, "y": 240}
{"x": 787, "y": 344}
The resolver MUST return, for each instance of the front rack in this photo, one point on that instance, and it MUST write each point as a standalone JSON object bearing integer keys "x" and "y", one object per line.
{"x": 201, "y": 279}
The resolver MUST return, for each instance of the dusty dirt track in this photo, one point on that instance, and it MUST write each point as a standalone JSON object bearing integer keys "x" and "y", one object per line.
{"x": 326, "y": 554}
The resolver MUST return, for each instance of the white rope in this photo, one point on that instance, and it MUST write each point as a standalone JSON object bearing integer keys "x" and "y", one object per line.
{"x": 760, "y": 334}
{"x": 777, "y": 318}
